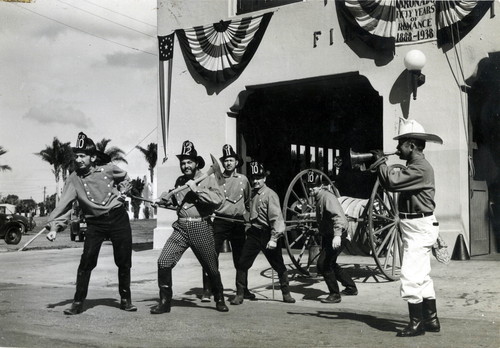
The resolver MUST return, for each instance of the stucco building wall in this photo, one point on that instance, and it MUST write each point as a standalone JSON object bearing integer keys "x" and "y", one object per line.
{"x": 287, "y": 53}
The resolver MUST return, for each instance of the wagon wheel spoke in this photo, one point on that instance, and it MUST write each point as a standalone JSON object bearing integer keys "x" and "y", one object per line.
{"x": 296, "y": 240}
{"x": 383, "y": 217}
{"x": 381, "y": 246}
{"x": 300, "y": 233}
{"x": 387, "y": 208}
{"x": 384, "y": 232}
{"x": 382, "y": 229}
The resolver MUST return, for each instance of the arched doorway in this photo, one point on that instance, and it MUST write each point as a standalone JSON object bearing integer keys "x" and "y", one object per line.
{"x": 311, "y": 123}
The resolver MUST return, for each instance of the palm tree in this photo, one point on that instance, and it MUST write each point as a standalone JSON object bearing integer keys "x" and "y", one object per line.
{"x": 137, "y": 188}
{"x": 60, "y": 156}
{"x": 116, "y": 154}
{"x": 151, "y": 155}
{"x": 4, "y": 167}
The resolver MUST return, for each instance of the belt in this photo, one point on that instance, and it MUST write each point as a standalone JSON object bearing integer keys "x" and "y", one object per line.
{"x": 193, "y": 219}
{"x": 414, "y": 215}
{"x": 107, "y": 214}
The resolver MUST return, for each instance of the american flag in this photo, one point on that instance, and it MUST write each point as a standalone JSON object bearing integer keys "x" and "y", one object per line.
{"x": 166, "y": 47}
{"x": 166, "y": 53}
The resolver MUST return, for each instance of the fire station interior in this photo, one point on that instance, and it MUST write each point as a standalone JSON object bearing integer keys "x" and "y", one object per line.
{"x": 312, "y": 123}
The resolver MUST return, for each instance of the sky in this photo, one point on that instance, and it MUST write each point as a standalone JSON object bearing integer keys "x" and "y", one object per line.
{"x": 74, "y": 65}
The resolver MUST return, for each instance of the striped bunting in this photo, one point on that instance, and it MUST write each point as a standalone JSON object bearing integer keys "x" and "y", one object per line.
{"x": 457, "y": 18}
{"x": 382, "y": 24}
{"x": 220, "y": 52}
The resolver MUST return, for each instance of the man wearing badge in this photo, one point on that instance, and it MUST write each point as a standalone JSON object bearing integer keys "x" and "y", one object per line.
{"x": 99, "y": 191}
{"x": 193, "y": 228}
{"x": 229, "y": 218}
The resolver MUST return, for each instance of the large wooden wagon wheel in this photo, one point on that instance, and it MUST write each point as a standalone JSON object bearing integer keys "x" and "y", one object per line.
{"x": 381, "y": 223}
{"x": 302, "y": 239}
{"x": 384, "y": 230}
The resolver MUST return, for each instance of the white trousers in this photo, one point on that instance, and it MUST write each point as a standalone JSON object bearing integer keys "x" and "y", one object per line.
{"x": 418, "y": 237}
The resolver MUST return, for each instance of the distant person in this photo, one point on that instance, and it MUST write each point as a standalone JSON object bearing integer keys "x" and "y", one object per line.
{"x": 332, "y": 225}
{"x": 418, "y": 224}
{"x": 229, "y": 218}
{"x": 193, "y": 228}
{"x": 99, "y": 191}
{"x": 267, "y": 227}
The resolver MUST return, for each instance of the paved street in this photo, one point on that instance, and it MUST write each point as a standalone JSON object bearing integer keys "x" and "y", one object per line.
{"x": 37, "y": 285}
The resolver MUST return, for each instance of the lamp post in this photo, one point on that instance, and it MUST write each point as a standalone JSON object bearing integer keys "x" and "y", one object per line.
{"x": 414, "y": 62}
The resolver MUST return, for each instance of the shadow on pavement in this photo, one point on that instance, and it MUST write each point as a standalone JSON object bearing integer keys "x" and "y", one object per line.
{"x": 377, "y": 323}
{"x": 89, "y": 303}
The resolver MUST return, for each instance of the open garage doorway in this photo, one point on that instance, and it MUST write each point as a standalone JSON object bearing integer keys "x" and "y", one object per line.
{"x": 311, "y": 123}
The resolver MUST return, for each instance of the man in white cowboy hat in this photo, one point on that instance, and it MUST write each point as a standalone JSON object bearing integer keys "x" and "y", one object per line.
{"x": 267, "y": 227}
{"x": 418, "y": 224}
{"x": 332, "y": 226}
{"x": 99, "y": 191}
{"x": 230, "y": 217}
{"x": 193, "y": 228}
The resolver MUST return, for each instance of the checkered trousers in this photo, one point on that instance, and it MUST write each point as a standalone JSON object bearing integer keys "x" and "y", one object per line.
{"x": 197, "y": 235}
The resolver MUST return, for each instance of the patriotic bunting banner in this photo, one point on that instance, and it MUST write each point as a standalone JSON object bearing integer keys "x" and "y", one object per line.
{"x": 166, "y": 53}
{"x": 383, "y": 24}
{"x": 457, "y": 18}
{"x": 220, "y": 52}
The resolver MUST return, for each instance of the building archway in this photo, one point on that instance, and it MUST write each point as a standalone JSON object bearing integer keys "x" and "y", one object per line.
{"x": 311, "y": 123}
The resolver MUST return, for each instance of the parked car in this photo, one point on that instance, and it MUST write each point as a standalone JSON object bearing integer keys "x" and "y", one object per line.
{"x": 9, "y": 210}
{"x": 12, "y": 227}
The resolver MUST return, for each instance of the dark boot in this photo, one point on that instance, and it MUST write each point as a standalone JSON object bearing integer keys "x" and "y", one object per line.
{"x": 220, "y": 304}
{"x": 285, "y": 288}
{"x": 82, "y": 285}
{"x": 127, "y": 306}
{"x": 415, "y": 327}
{"x": 349, "y": 291}
{"x": 247, "y": 295}
{"x": 206, "y": 289}
{"x": 431, "y": 321}
{"x": 241, "y": 285}
{"x": 124, "y": 290}
{"x": 218, "y": 291}
{"x": 332, "y": 298}
{"x": 345, "y": 279}
{"x": 333, "y": 288}
{"x": 165, "y": 285}
{"x": 76, "y": 308}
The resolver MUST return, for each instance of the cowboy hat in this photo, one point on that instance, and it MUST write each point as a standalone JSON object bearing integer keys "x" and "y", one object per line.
{"x": 188, "y": 151}
{"x": 414, "y": 130}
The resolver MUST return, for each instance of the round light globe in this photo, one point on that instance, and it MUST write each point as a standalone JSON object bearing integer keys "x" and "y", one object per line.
{"x": 414, "y": 60}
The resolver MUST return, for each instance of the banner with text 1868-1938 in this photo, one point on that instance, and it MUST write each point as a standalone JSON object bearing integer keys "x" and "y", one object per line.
{"x": 415, "y": 21}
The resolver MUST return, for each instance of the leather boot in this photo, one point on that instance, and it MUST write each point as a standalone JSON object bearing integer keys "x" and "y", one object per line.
{"x": 165, "y": 285}
{"x": 206, "y": 289}
{"x": 218, "y": 291}
{"x": 415, "y": 327}
{"x": 431, "y": 321}
{"x": 220, "y": 305}
{"x": 285, "y": 289}
{"x": 241, "y": 285}
{"x": 333, "y": 288}
{"x": 82, "y": 285}
{"x": 127, "y": 306}
{"x": 76, "y": 308}
{"x": 124, "y": 290}
{"x": 247, "y": 295}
